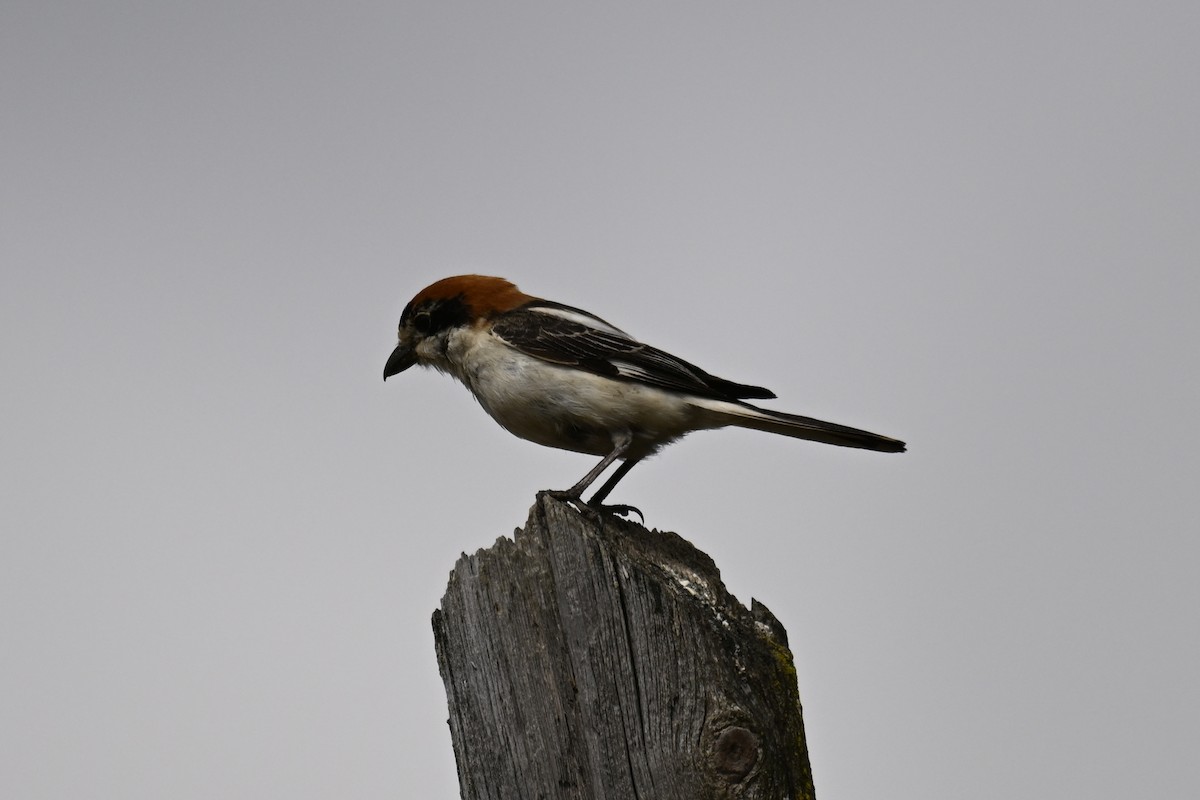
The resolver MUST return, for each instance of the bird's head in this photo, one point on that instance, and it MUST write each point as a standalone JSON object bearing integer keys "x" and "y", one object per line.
{"x": 443, "y": 307}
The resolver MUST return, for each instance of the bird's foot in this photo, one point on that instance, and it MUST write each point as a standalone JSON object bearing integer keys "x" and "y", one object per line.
{"x": 565, "y": 495}
{"x": 620, "y": 510}
{"x": 568, "y": 496}
{"x": 590, "y": 508}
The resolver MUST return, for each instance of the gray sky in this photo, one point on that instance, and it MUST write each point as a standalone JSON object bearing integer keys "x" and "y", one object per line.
{"x": 975, "y": 227}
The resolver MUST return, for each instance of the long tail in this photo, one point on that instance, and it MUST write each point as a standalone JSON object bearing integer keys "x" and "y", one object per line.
{"x": 747, "y": 416}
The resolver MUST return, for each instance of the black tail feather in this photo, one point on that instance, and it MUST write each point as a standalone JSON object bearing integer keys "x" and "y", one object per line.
{"x": 815, "y": 430}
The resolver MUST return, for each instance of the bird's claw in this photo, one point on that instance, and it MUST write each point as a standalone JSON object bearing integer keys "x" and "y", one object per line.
{"x": 567, "y": 496}
{"x": 620, "y": 510}
{"x": 584, "y": 507}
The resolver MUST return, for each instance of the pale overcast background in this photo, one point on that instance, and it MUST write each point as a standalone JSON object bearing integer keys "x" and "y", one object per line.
{"x": 972, "y": 226}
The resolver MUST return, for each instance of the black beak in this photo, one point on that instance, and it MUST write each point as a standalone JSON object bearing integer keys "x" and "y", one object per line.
{"x": 401, "y": 359}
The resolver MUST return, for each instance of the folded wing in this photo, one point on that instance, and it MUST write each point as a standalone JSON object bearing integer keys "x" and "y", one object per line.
{"x": 565, "y": 335}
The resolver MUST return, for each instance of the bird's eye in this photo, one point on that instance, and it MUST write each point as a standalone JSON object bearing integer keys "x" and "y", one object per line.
{"x": 422, "y": 321}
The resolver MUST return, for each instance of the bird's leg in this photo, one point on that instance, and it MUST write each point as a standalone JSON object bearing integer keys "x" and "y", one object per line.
{"x": 575, "y": 493}
{"x": 597, "y": 500}
{"x": 620, "y": 446}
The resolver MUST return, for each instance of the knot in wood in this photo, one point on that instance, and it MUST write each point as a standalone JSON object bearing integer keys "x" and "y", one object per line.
{"x": 735, "y": 752}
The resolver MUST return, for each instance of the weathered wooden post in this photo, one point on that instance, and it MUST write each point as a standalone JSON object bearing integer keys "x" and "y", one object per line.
{"x": 591, "y": 658}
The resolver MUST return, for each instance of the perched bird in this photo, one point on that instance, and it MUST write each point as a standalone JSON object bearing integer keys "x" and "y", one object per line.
{"x": 565, "y": 378}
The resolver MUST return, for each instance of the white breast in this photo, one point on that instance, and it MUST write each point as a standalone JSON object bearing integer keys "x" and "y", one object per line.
{"x": 564, "y": 407}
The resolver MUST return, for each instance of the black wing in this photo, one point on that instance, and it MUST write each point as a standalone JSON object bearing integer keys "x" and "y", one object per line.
{"x": 564, "y": 335}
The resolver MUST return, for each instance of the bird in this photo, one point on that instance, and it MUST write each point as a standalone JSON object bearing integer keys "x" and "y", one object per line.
{"x": 563, "y": 377}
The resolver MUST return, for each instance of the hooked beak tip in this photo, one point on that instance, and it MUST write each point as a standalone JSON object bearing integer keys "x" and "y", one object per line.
{"x": 401, "y": 359}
